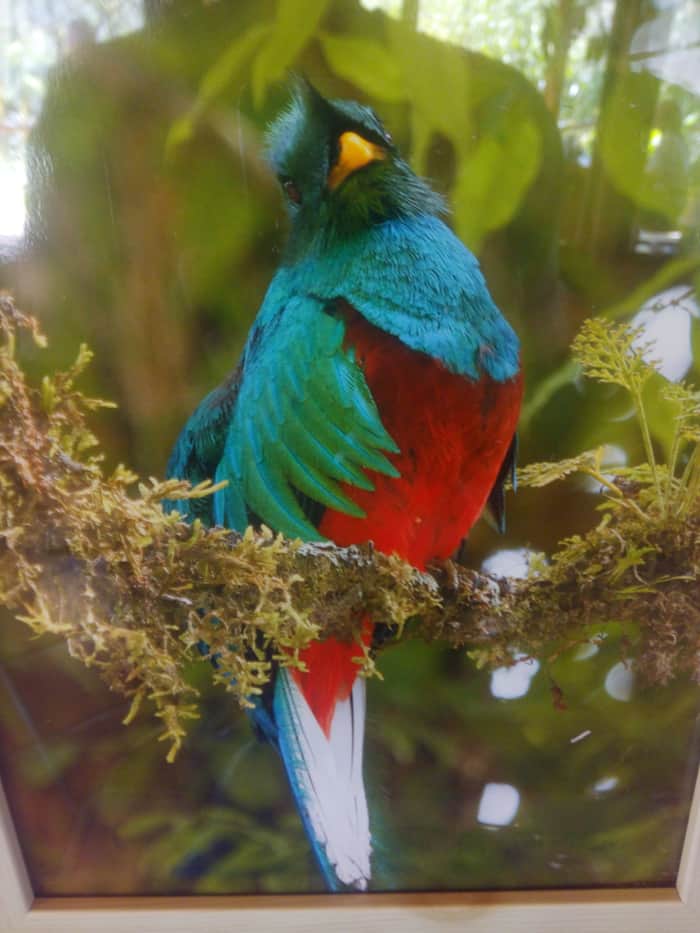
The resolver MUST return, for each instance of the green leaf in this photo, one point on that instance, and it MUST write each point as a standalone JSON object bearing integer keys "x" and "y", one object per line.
{"x": 493, "y": 179}
{"x": 612, "y": 353}
{"x": 146, "y": 824}
{"x": 425, "y": 66}
{"x": 542, "y": 474}
{"x": 223, "y": 72}
{"x": 295, "y": 24}
{"x": 695, "y": 341}
{"x": 622, "y": 130}
{"x": 624, "y": 137}
{"x": 662, "y": 412}
{"x": 546, "y": 389}
{"x": 367, "y": 63}
{"x": 215, "y": 83}
{"x": 633, "y": 557}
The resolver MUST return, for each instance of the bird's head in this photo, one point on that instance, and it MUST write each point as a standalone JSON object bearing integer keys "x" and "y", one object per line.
{"x": 340, "y": 170}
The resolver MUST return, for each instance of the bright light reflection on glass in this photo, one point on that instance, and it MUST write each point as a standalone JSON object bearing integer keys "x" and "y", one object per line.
{"x": 584, "y": 652}
{"x": 613, "y": 456}
{"x": 498, "y": 805}
{"x": 606, "y": 784}
{"x": 33, "y": 38}
{"x": 668, "y": 45}
{"x": 619, "y": 682}
{"x": 580, "y": 737}
{"x": 514, "y": 562}
{"x": 666, "y": 325}
{"x": 12, "y": 184}
{"x": 509, "y": 683}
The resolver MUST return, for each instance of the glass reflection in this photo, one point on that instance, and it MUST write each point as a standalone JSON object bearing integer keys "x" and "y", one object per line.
{"x": 509, "y": 683}
{"x": 498, "y": 805}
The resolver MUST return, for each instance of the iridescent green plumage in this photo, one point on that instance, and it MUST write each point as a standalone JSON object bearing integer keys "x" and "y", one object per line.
{"x": 304, "y": 421}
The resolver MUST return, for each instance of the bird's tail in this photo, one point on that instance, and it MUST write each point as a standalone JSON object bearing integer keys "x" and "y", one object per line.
{"x": 324, "y": 765}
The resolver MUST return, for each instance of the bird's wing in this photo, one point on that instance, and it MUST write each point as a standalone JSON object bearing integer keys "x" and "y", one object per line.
{"x": 200, "y": 446}
{"x": 303, "y": 423}
{"x": 496, "y": 500}
{"x": 296, "y": 421}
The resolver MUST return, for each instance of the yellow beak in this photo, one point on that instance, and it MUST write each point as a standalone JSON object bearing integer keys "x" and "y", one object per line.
{"x": 354, "y": 153}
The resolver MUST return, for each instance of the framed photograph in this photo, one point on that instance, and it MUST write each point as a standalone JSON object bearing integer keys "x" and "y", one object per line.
{"x": 349, "y": 467}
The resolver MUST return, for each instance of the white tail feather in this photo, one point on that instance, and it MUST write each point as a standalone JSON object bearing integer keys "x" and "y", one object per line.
{"x": 326, "y": 777}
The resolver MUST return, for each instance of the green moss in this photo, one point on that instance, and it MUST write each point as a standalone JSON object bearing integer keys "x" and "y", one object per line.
{"x": 134, "y": 591}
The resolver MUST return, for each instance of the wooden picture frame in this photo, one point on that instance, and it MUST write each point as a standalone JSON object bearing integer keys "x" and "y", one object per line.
{"x": 602, "y": 910}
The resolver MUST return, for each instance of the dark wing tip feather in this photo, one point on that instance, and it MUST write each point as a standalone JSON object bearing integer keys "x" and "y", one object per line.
{"x": 200, "y": 446}
{"x": 497, "y": 499}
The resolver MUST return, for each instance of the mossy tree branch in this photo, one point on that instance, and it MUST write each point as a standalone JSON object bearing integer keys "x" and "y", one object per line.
{"x": 94, "y": 559}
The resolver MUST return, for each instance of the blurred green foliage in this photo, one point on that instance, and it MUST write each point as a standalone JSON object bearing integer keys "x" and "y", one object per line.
{"x": 155, "y": 230}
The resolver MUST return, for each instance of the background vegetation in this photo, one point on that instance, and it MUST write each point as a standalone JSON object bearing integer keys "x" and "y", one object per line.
{"x": 153, "y": 230}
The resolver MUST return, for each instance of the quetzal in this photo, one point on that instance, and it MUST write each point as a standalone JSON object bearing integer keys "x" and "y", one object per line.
{"x": 376, "y": 399}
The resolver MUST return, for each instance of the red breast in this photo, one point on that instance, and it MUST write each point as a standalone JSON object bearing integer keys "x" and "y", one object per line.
{"x": 453, "y": 434}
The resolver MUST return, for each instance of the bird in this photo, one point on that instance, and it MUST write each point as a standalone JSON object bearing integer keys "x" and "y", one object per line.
{"x": 376, "y": 400}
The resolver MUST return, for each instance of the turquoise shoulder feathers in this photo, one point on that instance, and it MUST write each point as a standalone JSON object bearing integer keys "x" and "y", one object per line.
{"x": 414, "y": 279}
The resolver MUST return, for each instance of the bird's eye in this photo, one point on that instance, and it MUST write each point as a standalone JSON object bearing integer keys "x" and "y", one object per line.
{"x": 291, "y": 190}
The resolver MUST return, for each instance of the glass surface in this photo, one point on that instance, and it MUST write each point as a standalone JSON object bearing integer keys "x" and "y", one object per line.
{"x": 566, "y": 139}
